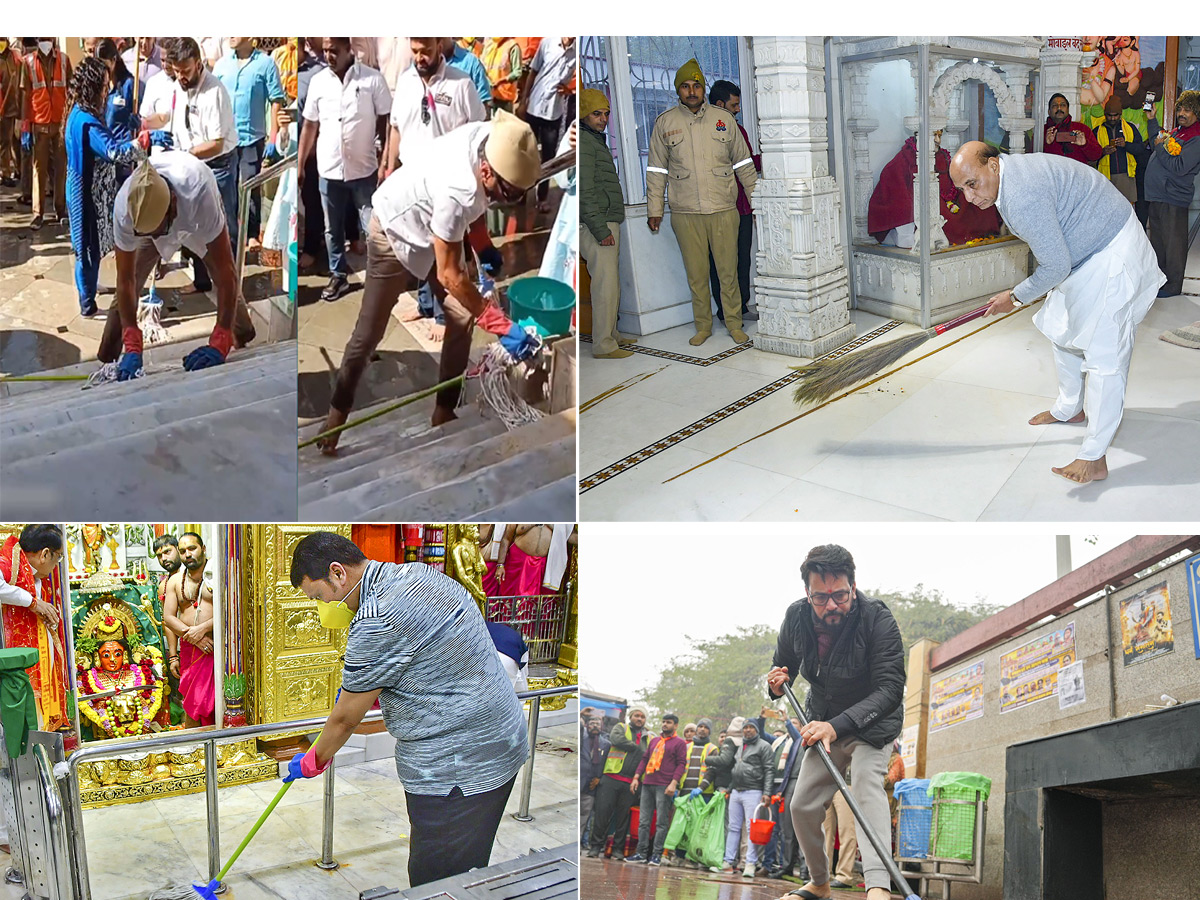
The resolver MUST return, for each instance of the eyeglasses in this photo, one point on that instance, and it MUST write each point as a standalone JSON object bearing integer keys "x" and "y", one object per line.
{"x": 823, "y": 600}
{"x": 509, "y": 192}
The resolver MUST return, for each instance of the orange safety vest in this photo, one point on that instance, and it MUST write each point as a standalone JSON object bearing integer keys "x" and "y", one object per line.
{"x": 498, "y": 65}
{"x": 48, "y": 101}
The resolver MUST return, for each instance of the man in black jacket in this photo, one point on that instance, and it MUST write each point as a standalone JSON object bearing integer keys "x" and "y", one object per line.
{"x": 848, "y": 648}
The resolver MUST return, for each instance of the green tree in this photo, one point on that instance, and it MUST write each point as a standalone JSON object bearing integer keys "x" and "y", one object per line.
{"x": 924, "y": 613}
{"x": 718, "y": 679}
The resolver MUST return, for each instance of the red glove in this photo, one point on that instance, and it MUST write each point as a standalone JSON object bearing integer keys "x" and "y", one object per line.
{"x": 131, "y": 339}
{"x": 309, "y": 766}
{"x": 221, "y": 339}
{"x": 143, "y": 141}
{"x": 494, "y": 321}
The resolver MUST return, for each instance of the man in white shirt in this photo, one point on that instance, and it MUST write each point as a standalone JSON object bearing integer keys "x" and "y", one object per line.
{"x": 145, "y": 59}
{"x": 171, "y": 201}
{"x": 346, "y": 110}
{"x": 421, "y": 217}
{"x": 544, "y": 105}
{"x": 432, "y": 99}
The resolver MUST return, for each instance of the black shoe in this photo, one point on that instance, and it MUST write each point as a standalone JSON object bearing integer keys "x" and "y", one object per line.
{"x": 777, "y": 874}
{"x": 593, "y": 854}
{"x": 89, "y": 311}
{"x": 1165, "y": 292}
{"x": 338, "y": 287}
{"x": 36, "y": 224}
{"x": 841, "y": 885}
{"x": 9, "y": 182}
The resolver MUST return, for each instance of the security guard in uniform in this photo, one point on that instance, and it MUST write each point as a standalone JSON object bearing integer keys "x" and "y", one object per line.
{"x": 697, "y": 150}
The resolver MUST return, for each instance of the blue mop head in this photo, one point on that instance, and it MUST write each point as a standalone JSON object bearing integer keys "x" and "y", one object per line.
{"x": 207, "y": 891}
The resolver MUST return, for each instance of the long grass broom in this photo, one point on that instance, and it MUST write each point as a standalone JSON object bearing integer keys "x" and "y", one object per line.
{"x": 824, "y": 378}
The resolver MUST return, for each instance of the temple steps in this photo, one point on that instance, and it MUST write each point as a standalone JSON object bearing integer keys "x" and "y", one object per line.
{"x": 218, "y": 444}
{"x": 401, "y": 469}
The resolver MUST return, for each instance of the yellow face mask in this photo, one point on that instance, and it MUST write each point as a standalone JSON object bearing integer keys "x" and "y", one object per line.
{"x": 337, "y": 614}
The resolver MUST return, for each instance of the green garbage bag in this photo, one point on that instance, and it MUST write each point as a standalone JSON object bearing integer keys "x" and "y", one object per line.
{"x": 685, "y": 815}
{"x": 954, "y": 802}
{"x": 706, "y": 842}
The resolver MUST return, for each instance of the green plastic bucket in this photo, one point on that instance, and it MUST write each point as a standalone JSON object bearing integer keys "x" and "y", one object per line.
{"x": 542, "y": 302}
{"x": 954, "y": 800}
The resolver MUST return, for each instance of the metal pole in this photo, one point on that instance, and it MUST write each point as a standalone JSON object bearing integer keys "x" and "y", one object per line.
{"x": 214, "y": 831}
{"x": 535, "y": 709}
{"x": 73, "y": 827}
{"x": 327, "y": 861}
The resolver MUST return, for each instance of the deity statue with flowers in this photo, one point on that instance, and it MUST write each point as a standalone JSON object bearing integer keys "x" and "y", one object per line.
{"x": 120, "y": 677}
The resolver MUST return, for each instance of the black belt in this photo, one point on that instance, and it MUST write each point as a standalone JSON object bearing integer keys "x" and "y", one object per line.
{"x": 216, "y": 161}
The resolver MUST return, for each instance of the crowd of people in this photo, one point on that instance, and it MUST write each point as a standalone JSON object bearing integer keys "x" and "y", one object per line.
{"x": 143, "y": 144}
{"x": 847, "y": 646}
{"x": 405, "y": 144}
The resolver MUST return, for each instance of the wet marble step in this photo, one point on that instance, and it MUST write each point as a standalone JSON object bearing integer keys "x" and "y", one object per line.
{"x": 555, "y": 502}
{"x": 439, "y": 468}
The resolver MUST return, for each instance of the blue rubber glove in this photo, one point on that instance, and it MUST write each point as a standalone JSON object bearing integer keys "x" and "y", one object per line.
{"x": 486, "y": 285}
{"x": 269, "y": 152}
{"x": 519, "y": 343}
{"x": 294, "y": 770}
{"x": 27, "y": 141}
{"x": 128, "y": 367}
{"x": 492, "y": 261}
{"x": 203, "y": 358}
{"x": 162, "y": 139}
{"x": 695, "y": 793}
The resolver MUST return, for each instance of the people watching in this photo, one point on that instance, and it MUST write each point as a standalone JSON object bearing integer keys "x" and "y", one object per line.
{"x": 614, "y": 799}
{"x": 1123, "y": 148}
{"x": 593, "y": 752}
{"x": 1062, "y": 136}
{"x": 1170, "y": 186}
{"x": 658, "y": 774}
{"x": 728, "y": 96}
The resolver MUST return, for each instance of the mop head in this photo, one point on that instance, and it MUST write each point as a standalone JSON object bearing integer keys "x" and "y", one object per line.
{"x": 207, "y": 891}
{"x": 496, "y": 388}
{"x": 149, "y": 317}
{"x": 826, "y": 378}
{"x": 184, "y": 892}
{"x": 106, "y": 373}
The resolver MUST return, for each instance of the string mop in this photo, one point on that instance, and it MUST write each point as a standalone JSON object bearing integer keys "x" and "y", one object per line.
{"x": 149, "y": 318}
{"x": 496, "y": 387}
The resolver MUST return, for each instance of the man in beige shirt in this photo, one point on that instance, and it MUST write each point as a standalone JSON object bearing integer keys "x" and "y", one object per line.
{"x": 696, "y": 150}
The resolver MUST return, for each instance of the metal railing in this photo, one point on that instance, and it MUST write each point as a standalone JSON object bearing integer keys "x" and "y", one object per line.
{"x": 57, "y": 852}
{"x": 68, "y": 833}
{"x": 541, "y": 620}
{"x": 244, "y": 189}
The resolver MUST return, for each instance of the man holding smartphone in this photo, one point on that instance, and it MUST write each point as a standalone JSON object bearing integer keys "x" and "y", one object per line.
{"x": 1123, "y": 148}
{"x": 1066, "y": 137}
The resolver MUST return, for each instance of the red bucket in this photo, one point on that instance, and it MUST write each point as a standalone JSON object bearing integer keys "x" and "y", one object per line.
{"x": 762, "y": 824}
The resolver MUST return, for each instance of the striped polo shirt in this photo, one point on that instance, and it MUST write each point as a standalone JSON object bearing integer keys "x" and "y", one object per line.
{"x": 419, "y": 639}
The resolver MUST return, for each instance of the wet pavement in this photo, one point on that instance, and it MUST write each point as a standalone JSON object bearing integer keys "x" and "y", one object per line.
{"x": 602, "y": 879}
{"x": 40, "y": 324}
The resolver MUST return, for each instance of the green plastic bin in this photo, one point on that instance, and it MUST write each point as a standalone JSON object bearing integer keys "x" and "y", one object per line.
{"x": 954, "y": 801}
{"x": 542, "y": 302}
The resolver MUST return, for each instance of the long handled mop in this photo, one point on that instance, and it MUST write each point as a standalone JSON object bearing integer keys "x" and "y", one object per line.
{"x": 822, "y": 379}
{"x": 884, "y": 851}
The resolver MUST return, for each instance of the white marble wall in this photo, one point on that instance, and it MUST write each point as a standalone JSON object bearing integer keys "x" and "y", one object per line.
{"x": 654, "y": 288}
{"x": 802, "y": 290}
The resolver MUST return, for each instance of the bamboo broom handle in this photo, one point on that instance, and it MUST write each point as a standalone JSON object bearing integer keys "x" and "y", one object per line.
{"x": 962, "y": 320}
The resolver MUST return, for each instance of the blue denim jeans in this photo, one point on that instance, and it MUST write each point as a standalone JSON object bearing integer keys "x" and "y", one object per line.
{"x": 249, "y": 164}
{"x": 224, "y": 169}
{"x": 337, "y": 197}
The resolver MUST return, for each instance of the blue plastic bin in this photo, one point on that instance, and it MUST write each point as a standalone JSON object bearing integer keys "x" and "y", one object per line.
{"x": 915, "y": 820}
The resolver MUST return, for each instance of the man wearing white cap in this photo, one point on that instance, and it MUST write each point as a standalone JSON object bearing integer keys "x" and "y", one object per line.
{"x": 422, "y": 215}
{"x": 171, "y": 201}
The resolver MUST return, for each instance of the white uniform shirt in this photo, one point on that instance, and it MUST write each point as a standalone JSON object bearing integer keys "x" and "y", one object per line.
{"x": 438, "y": 193}
{"x": 554, "y": 64}
{"x": 157, "y": 98}
{"x": 205, "y": 113}
{"x": 451, "y": 99}
{"x": 199, "y": 213}
{"x": 346, "y": 110}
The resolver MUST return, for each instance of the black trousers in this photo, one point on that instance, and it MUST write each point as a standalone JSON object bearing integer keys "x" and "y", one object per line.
{"x": 453, "y": 834}
{"x": 314, "y": 213}
{"x": 745, "y": 240}
{"x": 613, "y": 799}
{"x": 1169, "y": 238}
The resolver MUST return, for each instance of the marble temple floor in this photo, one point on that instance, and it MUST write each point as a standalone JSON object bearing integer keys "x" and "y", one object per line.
{"x": 711, "y": 433}
{"x": 602, "y": 879}
{"x": 136, "y": 848}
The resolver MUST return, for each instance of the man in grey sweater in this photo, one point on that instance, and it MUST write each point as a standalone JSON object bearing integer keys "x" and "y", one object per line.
{"x": 1097, "y": 269}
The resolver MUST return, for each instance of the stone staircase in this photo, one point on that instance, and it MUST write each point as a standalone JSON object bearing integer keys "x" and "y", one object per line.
{"x": 213, "y": 445}
{"x": 399, "y": 468}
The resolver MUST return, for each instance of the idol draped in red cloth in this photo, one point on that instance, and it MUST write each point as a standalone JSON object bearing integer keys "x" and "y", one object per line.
{"x": 24, "y": 628}
{"x": 891, "y": 204}
{"x": 197, "y": 683}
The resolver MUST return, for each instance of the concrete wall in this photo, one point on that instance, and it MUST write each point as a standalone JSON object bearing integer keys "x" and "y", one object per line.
{"x": 1161, "y": 861}
{"x": 979, "y": 745}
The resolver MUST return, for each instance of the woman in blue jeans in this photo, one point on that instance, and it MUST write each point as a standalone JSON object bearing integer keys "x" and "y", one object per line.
{"x": 93, "y": 154}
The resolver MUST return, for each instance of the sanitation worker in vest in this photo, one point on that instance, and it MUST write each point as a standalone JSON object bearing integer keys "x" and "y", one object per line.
{"x": 1096, "y": 268}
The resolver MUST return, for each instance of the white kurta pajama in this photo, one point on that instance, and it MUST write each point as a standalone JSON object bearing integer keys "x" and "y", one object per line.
{"x": 1100, "y": 276}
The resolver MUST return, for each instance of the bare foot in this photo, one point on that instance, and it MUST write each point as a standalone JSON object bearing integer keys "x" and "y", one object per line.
{"x": 878, "y": 893}
{"x": 190, "y": 289}
{"x": 328, "y": 445}
{"x": 442, "y": 415}
{"x": 436, "y": 332}
{"x": 817, "y": 890}
{"x": 411, "y": 315}
{"x": 1045, "y": 418}
{"x": 1083, "y": 470}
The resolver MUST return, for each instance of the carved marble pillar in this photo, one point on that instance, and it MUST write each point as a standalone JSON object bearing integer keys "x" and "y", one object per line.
{"x": 802, "y": 288}
{"x": 1016, "y": 76}
{"x": 1060, "y": 75}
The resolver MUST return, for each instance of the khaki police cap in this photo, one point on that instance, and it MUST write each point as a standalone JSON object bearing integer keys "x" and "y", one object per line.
{"x": 512, "y": 151}
{"x": 149, "y": 198}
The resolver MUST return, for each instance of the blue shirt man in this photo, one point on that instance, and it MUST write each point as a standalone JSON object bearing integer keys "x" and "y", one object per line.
{"x": 253, "y": 82}
{"x": 470, "y": 64}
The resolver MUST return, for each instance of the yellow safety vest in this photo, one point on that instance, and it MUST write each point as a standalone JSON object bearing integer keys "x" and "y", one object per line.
{"x": 1105, "y": 165}
{"x": 703, "y": 761}
{"x": 616, "y": 758}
